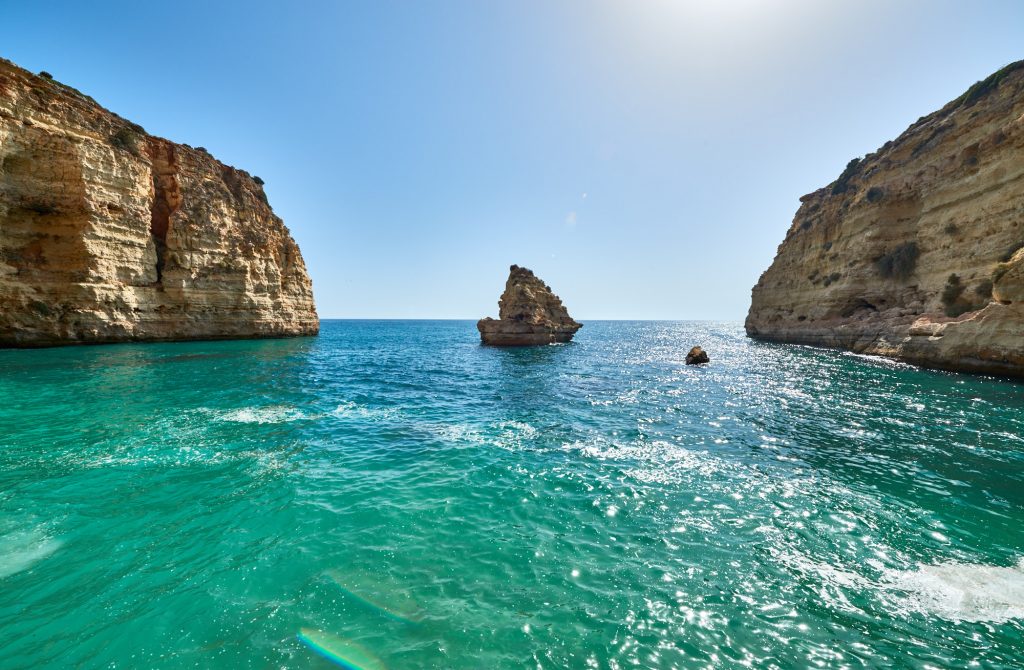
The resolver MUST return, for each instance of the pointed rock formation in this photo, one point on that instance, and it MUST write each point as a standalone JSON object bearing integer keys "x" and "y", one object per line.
{"x": 109, "y": 234}
{"x": 528, "y": 313}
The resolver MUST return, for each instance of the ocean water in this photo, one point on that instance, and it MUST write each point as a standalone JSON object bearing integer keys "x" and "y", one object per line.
{"x": 393, "y": 495}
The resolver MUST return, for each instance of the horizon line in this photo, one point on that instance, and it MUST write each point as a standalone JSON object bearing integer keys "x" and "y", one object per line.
{"x": 424, "y": 318}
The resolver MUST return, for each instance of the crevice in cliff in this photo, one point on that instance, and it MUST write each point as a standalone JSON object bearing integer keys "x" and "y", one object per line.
{"x": 166, "y": 200}
{"x": 855, "y": 306}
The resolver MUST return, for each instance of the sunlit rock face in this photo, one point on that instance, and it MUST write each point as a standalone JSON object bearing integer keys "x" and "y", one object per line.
{"x": 916, "y": 251}
{"x": 697, "y": 356}
{"x": 528, "y": 313}
{"x": 109, "y": 234}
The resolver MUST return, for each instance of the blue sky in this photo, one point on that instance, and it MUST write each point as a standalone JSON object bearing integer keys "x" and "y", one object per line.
{"x": 644, "y": 157}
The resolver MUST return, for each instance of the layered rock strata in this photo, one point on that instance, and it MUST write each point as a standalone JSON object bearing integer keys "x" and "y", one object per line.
{"x": 917, "y": 250}
{"x": 528, "y": 313}
{"x": 109, "y": 234}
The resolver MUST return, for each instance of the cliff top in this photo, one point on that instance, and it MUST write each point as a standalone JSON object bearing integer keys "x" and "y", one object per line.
{"x": 924, "y": 133}
{"x": 123, "y": 134}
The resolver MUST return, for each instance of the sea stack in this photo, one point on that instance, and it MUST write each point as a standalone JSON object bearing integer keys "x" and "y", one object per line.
{"x": 916, "y": 251}
{"x": 528, "y": 313}
{"x": 109, "y": 234}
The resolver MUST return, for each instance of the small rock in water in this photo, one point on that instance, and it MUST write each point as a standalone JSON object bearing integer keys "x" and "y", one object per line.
{"x": 697, "y": 356}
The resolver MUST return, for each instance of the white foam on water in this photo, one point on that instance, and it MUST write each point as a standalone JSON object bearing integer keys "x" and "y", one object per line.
{"x": 518, "y": 427}
{"x": 881, "y": 360}
{"x": 511, "y": 435}
{"x": 262, "y": 415}
{"x": 456, "y": 432}
{"x": 971, "y": 592}
{"x": 652, "y": 462}
{"x": 21, "y": 549}
{"x": 353, "y": 410}
{"x": 185, "y": 439}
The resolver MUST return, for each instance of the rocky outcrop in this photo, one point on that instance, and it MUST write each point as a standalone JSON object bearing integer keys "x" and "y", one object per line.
{"x": 528, "y": 313}
{"x": 109, "y": 234}
{"x": 697, "y": 356}
{"x": 917, "y": 250}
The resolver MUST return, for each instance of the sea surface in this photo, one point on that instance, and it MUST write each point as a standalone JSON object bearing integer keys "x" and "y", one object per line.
{"x": 393, "y": 495}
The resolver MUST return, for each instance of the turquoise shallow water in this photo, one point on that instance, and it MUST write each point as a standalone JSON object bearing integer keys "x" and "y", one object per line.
{"x": 394, "y": 494}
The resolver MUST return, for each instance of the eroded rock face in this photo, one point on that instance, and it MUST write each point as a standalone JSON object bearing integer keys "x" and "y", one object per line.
{"x": 109, "y": 234}
{"x": 916, "y": 251}
{"x": 528, "y": 313}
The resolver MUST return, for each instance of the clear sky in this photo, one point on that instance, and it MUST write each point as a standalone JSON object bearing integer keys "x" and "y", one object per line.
{"x": 644, "y": 157}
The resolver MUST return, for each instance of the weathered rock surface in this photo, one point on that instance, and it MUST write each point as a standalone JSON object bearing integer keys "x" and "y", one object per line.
{"x": 916, "y": 251}
{"x": 697, "y": 356}
{"x": 109, "y": 234}
{"x": 528, "y": 313}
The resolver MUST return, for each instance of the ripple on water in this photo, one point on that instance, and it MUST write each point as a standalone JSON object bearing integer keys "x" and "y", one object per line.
{"x": 395, "y": 494}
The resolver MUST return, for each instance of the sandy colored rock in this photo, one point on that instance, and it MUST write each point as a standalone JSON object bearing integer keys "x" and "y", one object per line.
{"x": 109, "y": 234}
{"x": 697, "y": 356}
{"x": 915, "y": 252}
{"x": 528, "y": 313}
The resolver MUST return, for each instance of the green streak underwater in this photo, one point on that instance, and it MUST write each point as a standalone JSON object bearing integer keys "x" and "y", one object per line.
{"x": 393, "y": 495}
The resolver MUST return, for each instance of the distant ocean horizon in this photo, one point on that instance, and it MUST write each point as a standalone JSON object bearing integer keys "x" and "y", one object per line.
{"x": 392, "y": 494}
{"x": 581, "y": 319}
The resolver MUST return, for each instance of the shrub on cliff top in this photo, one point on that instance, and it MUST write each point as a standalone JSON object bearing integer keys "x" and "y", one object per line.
{"x": 126, "y": 140}
{"x": 900, "y": 262}
{"x": 841, "y": 184}
{"x": 988, "y": 84}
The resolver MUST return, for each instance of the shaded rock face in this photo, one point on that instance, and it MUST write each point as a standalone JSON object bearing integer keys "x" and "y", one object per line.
{"x": 109, "y": 234}
{"x": 697, "y": 356}
{"x": 528, "y": 313}
{"x": 916, "y": 251}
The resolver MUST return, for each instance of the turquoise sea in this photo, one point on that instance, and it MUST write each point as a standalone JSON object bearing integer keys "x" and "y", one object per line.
{"x": 393, "y": 495}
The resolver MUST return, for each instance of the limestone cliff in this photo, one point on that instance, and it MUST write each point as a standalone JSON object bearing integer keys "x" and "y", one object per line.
{"x": 917, "y": 250}
{"x": 528, "y": 313}
{"x": 109, "y": 234}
